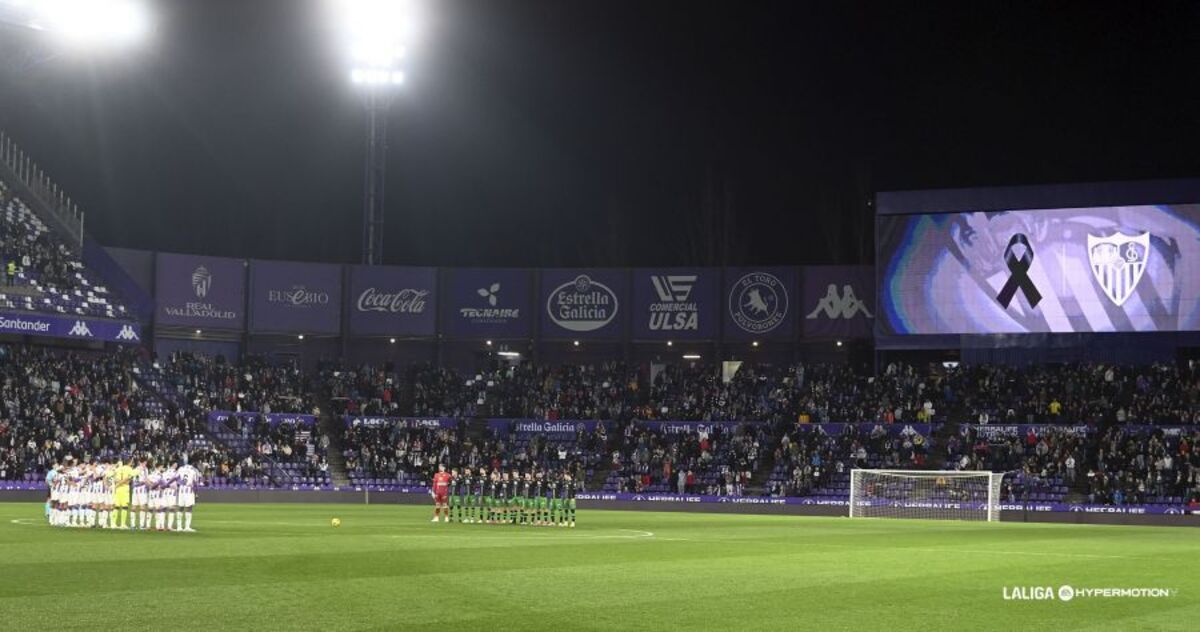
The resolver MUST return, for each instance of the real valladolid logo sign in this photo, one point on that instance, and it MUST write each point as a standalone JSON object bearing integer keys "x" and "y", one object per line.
{"x": 492, "y": 313}
{"x": 202, "y": 283}
{"x": 582, "y": 305}
{"x": 405, "y": 301}
{"x": 673, "y": 311}
{"x": 758, "y": 302}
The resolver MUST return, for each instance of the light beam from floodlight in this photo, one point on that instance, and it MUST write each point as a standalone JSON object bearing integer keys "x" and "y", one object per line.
{"x": 91, "y": 22}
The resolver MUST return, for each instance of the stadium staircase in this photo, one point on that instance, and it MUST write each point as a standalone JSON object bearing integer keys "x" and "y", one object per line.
{"x": 758, "y": 481}
{"x": 334, "y": 427}
{"x": 937, "y": 448}
{"x": 595, "y": 482}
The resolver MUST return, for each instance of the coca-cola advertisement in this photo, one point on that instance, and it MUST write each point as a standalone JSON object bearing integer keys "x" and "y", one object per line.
{"x": 392, "y": 301}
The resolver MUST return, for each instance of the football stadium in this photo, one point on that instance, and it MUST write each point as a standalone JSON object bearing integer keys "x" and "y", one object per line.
{"x": 534, "y": 315}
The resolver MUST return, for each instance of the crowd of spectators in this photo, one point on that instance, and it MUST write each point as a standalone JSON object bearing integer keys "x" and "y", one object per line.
{"x": 606, "y": 391}
{"x": 39, "y": 272}
{"x": 1135, "y": 467}
{"x": 1158, "y": 394}
{"x": 29, "y": 246}
{"x": 56, "y": 404}
{"x": 253, "y": 385}
{"x": 1106, "y": 448}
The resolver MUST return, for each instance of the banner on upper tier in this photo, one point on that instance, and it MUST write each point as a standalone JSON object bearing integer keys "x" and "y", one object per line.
{"x": 760, "y": 303}
{"x": 487, "y": 303}
{"x": 70, "y": 327}
{"x": 272, "y": 419}
{"x": 867, "y": 428}
{"x": 368, "y": 421}
{"x": 990, "y": 431}
{"x": 295, "y": 297}
{"x": 706, "y": 427}
{"x": 578, "y": 303}
{"x": 675, "y": 303}
{"x": 392, "y": 301}
{"x": 196, "y": 291}
{"x": 837, "y": 301}
{"x": 541, "y": 426}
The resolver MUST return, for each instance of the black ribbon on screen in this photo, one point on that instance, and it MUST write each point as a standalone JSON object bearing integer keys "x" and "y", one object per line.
{"x": 1019, "y": 279}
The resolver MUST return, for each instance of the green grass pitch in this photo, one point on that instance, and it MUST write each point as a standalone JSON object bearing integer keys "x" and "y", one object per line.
{"x": 283, "y": 567}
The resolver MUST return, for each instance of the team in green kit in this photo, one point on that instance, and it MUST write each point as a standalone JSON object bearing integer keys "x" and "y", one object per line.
{"x": 533, "y": 498}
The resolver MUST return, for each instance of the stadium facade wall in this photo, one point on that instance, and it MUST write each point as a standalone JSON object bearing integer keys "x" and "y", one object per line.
{"x": 138, "y": 264}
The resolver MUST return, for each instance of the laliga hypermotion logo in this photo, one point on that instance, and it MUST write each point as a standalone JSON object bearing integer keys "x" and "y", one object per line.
{"x": 1118, "y": 263}
{"x": 201, "y": 281}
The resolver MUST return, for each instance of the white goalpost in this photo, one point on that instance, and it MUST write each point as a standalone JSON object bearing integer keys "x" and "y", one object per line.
{"x": 924, "y": 494}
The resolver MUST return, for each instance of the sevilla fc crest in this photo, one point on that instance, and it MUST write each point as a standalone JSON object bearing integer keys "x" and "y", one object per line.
{"x": 1118, "y": 263}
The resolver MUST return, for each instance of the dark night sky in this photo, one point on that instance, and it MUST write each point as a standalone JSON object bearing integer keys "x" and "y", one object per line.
{"x": 564, "y": 132}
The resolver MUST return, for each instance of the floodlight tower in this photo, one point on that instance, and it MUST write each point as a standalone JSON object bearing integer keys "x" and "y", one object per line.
{"x": 377, "y": 32}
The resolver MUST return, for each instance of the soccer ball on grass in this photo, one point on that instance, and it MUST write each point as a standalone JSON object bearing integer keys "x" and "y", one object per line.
{"x": 336, "y": 522}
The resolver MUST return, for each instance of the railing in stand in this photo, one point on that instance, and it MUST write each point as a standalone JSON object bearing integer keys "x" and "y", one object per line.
{"x": 47, "y": 191}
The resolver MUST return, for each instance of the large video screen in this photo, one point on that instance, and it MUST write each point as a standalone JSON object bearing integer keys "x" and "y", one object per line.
{"x": 1120, "y": 268}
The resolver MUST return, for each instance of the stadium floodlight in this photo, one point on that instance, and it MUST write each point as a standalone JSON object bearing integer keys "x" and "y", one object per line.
{"x": 509, "y": 354}
{"x": 691, "y": 356}
{"x": 82, "y": 23}
{"x": 928, "y": 495}
{"x": 376, "y": 35}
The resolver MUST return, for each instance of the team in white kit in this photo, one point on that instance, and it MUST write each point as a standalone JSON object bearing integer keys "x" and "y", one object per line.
{"x": 114, "y": 495}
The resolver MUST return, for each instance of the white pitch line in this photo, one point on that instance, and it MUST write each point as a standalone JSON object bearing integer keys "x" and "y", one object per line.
{"x": 992, "y": 552}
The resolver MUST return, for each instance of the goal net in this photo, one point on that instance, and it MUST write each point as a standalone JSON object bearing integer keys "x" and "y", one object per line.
{"x": 929, "y": 495}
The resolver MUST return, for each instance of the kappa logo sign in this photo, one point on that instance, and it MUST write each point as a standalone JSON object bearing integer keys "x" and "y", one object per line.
{"x": 758, "y": 302}
{"x": 1118, "y": 263}
{"x": 582, "y": 305}
{"x": 80, "y": 329}
{"x": 673, "y": 311}
{"x": 127, "y": 333}
{"x": 845, "y": 307}
{"x": 201, "y": 281}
